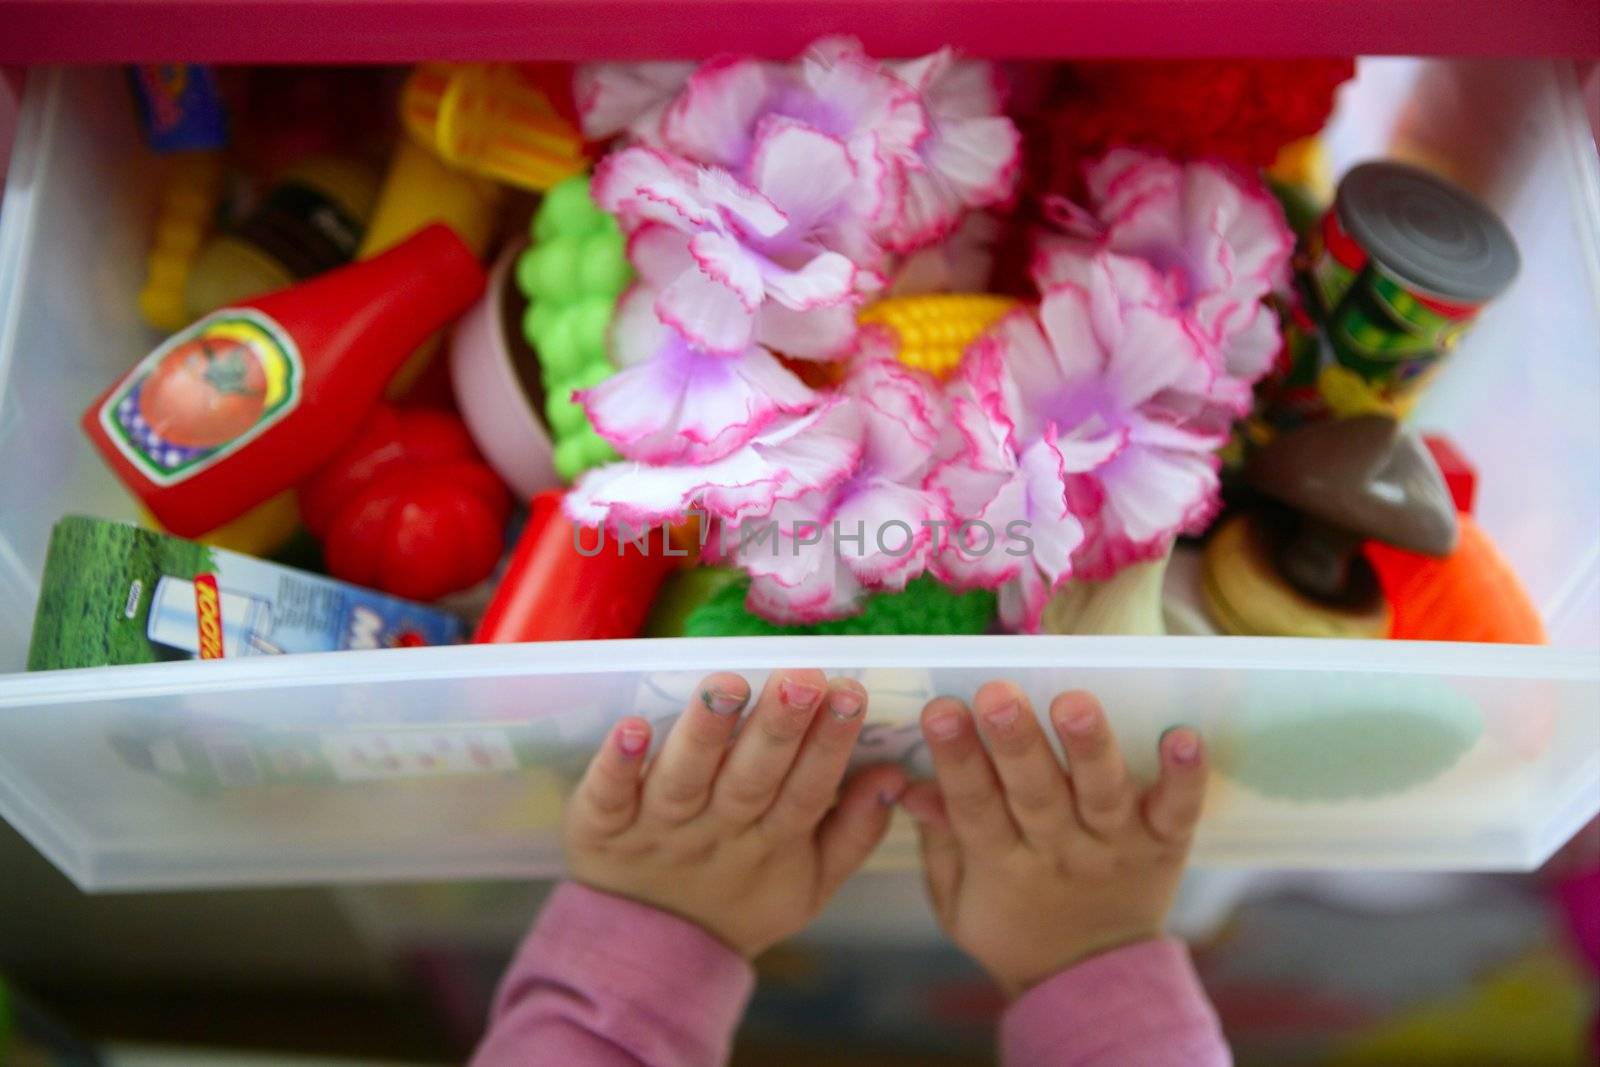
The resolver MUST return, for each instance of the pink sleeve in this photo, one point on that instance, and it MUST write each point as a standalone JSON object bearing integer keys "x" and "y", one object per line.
{"x": 1137, "y": 1006}
{"x": 605, "y": 981}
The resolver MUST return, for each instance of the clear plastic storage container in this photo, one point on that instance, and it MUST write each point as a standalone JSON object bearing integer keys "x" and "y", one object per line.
{"x": 451, "y": 762}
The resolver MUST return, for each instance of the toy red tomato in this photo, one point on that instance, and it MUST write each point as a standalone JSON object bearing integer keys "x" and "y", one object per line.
{"x": 204, "y": 393}
{"x": 408, "y": 507}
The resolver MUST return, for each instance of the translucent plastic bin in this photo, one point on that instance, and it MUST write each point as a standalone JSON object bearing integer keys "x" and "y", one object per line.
{"x": 310, "y": 769}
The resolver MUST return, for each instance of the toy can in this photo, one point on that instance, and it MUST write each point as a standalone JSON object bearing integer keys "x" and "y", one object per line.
{"x": 1397, "y": 271}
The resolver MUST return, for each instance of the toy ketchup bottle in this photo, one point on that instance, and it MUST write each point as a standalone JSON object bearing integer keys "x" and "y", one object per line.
{"x": 249, "y": 400}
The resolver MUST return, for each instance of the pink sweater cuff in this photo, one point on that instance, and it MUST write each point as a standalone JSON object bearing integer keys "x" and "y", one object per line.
{"x": 1141, "y": 1005}
{"x": 651, "y": 987}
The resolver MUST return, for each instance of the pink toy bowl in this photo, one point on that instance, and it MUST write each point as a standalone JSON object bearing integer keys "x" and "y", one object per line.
{"x": 495, "y": 402}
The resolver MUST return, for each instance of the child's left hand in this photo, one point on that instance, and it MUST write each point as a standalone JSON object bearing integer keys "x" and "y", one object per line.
{"x": 743, "y": 839}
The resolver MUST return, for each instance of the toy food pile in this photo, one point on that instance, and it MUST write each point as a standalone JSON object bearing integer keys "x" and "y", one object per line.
{"x": 719, "y": 349}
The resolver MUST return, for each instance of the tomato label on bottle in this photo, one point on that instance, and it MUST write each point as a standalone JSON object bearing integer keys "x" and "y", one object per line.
{"x": 205, "y": 393}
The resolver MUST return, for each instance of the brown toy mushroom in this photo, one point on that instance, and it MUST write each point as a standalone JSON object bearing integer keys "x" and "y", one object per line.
{"x": 1300, "y": 571}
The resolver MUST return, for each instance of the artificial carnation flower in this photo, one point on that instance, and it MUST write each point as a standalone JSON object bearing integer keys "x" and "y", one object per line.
{"x": 1072, "y": 422}
{"x": 674, "y": 403}
{"x": 833, "y": 89}
{"x": 743, "y": 246}
{"x": 1216, "y": 237}
{"x": 792, "y": 456}
{"x": 816, "y": 555}
{"x": 971, "y": 156}
{"x": 614, "y": 98}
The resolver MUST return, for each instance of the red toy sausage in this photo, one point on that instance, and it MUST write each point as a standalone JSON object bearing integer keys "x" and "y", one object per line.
{"x": 555, "y": 590}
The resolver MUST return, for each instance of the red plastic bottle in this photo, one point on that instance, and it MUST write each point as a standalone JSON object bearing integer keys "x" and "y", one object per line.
{"x": 250, "y": 399}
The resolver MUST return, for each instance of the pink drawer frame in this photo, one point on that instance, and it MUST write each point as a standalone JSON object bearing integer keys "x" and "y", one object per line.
{"x": 77, "y": 31}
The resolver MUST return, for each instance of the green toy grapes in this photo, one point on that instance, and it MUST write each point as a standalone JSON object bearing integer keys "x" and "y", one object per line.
{"x": 572, "y": 274}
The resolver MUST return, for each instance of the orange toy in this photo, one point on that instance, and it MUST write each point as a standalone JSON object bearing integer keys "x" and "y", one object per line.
{"x": 1470, "y": 595}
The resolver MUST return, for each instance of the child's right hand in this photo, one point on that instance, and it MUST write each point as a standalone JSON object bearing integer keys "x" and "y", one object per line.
{"x": 1030, "y": 868}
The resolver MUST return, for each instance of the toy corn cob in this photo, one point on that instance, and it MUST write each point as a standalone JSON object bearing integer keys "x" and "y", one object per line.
{"x": 184, "y": 219}
{"x": 932, "y": 330}
{"x": 490, "y": 118}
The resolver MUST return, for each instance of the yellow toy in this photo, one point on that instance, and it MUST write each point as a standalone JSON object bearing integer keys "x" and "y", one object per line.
{"x": 491, "y": 119}
{"x": 421, "y": 188}
{"x": 184, "y": 218}
{"x": 261, "y": 531}
{"x": 932, "y": 330}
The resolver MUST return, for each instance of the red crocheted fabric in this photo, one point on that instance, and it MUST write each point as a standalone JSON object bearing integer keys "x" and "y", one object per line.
{"x": 1243, "y": 110}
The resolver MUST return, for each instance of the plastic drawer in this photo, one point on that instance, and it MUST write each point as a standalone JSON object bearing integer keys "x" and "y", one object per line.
{"x": 145, "y": 777}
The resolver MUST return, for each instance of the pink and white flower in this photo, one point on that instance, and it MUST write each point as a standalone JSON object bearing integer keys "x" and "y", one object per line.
{"x": 674, "y": 403}
{"x": 1073, "y": 422}
{"x": 616, "y": 98}
{"x": 792, "y": 456}
{"x": 782, "y": 242}
{"x": 971, "y": 157}
{"x": 874, "y": 530}
{"x": 1215, "y": 236}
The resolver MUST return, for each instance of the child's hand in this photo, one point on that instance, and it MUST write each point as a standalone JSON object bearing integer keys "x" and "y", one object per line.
{"x": 1032, "y": 869}
{"x": 739, "y": 839}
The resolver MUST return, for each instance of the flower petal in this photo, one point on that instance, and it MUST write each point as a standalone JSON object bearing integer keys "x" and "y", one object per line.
{"x": 1067, "y": 351}
{"x": 828, "y": 591}
{"x": 725, "y": 261}
{"x": 822, "y": 333}
{"x": 683, "y": 405}
{"x": 640, "y": 184}
{"x": 981, "y": 157}
{"x": 802, "y": 170}
{"x": 825, "y": 279}
{"x": 739, "y": 206}
{"x": 896, "y": 536}
{"x": 613, "y": 97}
{"x": 706, "y": 313}
{"x": 659, "y": 253}
{"x": 1053, "y": 529}
{"x": 792, "y": 456}
{"x": 1156, "y": 353}
{"x": 856, "y": 94}
{"x": 712, "y": 120}
{"x": 1150, "y": 496}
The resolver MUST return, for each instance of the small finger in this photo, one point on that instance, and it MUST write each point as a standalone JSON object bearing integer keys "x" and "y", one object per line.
{"x": 1101, "y": 789}
{"x": 606, "y": 801}
{"x": 972, "y": 797}
{"x": 678, "y": 786}
{"x": 941, "y": 853}
{"x": 809, "y": 790}
{"x": 767, "y": 745}
{"x": 854, "y": 828}
{"x": 1035, "y": 788}
{"x": 1172, "y": 806}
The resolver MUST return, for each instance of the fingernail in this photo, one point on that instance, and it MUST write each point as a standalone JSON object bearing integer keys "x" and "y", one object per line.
{"x": 946, "y": 726}
{"x": 632, "y": 741}
{"x": 1004, "y": 716}
{"x": 889, "y": 796}
{"x": 1081, "y": 723}
{"x": 798, "y": 694}
{"x": 844, "y": 704}
{"x": 723, "y": 702}
{"x": 1184, "y": 747}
